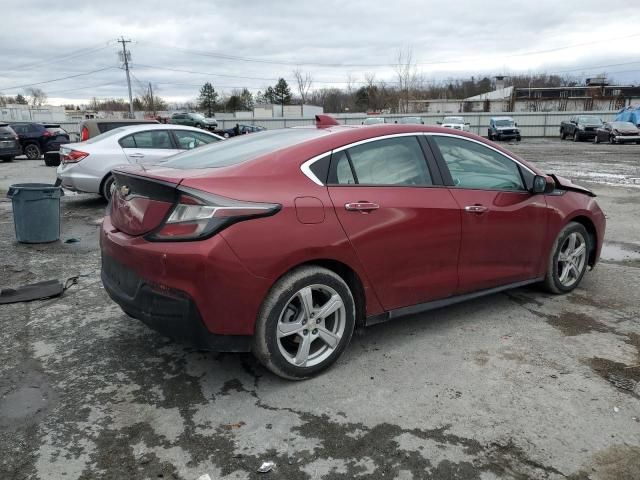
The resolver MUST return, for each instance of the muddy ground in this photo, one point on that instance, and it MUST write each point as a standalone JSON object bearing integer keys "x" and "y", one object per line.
{"x": 516, "y": 385}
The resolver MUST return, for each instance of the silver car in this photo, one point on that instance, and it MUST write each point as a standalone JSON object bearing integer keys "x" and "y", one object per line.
{"x": 86, "y": 166}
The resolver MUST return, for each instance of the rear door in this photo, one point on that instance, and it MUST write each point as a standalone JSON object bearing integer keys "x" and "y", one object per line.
{"x": 149, "y": 146}
{"x": 503, "y": 224}
{"x": 403, "y": 225}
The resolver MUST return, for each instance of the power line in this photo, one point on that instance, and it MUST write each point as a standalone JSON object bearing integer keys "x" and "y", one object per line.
{"x": 56, "y": 79}
{"x": 84, "y": 88}
{"x": 75, "y": 54}
{"x": 356, "y": 65}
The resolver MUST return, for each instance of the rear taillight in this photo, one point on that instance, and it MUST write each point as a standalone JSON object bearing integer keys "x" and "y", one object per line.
{"x": 198, "y": 215}
{"x": 46, "y": 133}
{"x": 72, "y": 156}
{"x": 84, "y": 134}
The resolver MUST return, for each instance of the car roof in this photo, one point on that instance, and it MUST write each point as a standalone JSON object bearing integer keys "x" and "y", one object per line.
{"x": 501, "y": 118}
{"x": 159, "y": 126}
{"x": 126, "y": 121}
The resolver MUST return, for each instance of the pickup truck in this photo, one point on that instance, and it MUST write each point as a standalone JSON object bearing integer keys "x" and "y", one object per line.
{"x": 580, "y": 127}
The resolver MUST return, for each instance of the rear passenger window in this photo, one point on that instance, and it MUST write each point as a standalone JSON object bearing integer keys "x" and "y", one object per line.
{"x": 392, "y": 161}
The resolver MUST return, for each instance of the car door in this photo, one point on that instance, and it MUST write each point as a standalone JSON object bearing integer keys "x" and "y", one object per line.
{"x": 403, "y": 224}
{"x": 189, "y": 139}
{"x": 503, "y": 224}
{"x": 148, "y": 146}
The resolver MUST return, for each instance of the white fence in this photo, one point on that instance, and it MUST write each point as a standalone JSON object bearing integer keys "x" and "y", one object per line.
{"x": 531, "y": 124}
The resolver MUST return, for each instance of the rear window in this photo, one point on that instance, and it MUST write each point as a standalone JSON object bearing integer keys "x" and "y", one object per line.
{"x": 6, "y": 129}
{"x": 241, "y": 149}
{"x": 56, "y": 130}
{"x": 106, "y": 126}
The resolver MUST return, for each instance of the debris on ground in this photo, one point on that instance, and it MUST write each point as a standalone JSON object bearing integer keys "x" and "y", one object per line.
{"x": 34, "y": 291}
{"x": 266, "y": 467}
{"x": 71, "y": 240}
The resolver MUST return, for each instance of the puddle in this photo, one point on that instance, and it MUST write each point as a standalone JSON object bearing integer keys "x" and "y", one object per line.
{"x": 620, "y": 253}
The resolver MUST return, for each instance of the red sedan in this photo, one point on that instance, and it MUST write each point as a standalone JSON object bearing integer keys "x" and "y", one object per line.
{"x": 282, "y": 242}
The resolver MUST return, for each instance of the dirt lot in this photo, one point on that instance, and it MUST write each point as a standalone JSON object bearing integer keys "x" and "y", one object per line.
{"x": 516, "y": 385}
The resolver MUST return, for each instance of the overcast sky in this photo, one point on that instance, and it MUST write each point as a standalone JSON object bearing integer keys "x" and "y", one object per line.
{"x": 333, "y": 40}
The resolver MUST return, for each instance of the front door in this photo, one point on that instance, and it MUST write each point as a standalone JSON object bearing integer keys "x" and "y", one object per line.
{"x": 405, "y": 230}
{"x": 503, "y": 224}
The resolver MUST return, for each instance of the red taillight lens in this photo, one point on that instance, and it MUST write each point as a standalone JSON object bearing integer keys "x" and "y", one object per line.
{"x": 72, "y": 156}
{"x": 84, "y": 134}
{"x": 46, "y": 133}
{"x": 198, "y": 215}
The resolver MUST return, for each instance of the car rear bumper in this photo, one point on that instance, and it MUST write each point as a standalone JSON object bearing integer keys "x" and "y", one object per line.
{"x": 203, "y": 279}
{"x": 76, "y": 179}
{"x": 10, "y": 152}
{"x": 171, "y": 313}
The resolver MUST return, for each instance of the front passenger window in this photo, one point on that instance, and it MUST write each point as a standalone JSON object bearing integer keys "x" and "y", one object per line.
{"x": 476, "y": 166}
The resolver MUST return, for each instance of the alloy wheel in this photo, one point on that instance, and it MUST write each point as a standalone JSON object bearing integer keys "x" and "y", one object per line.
{"x": 311, "y": 325}
{"x": 32, "y": 152}
{"x": 572, "y": 259}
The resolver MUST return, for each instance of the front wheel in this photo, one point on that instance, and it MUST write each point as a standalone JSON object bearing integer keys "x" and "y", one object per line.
{"x": 562, "y": 135}
{"x": 576, "y": 137}
{"x": 305, "y": 323}
{"x": 596, "y": 139}
{"x": 568, "y": 259}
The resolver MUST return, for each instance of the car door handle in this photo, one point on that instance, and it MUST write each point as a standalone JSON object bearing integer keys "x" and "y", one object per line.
{"x": 136, "y": 155}
{"x": 477, "y": 209}
{"x": 361, "y": 206}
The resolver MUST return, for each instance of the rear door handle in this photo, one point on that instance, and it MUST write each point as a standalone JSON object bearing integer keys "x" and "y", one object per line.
{"x": 361, "y": 206}
{"x": 136, "y": 155}
{"x": 477, "y": 209}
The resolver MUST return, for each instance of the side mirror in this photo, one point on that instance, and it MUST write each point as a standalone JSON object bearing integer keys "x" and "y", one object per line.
{"x": 542, "y": 184}
{"x": 439, "y": 123}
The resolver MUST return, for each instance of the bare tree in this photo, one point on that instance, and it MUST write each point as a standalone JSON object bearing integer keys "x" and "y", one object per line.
{"x": 37, "y": 96}
{"x": 406, "y": 72}
{"x": 304, "y": 82}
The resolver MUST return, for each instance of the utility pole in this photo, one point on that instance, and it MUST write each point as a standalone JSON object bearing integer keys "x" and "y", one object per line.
{"x": 151, "y": 102}
{"x": 125, "y": 56}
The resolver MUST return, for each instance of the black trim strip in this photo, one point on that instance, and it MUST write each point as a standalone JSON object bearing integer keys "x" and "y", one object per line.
{"x": 444, "y": 302}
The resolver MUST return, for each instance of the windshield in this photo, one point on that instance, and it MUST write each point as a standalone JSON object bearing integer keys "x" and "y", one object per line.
{"x": 373, "y": 121}
{"x": 411, "y": 120}
{"x": 504, "y": 123}
{"x": 590, "y": 120}
{"x": 107, "y": 134}
{"x": 241, "y": 149}
{"x": 197, "y": 115}
{"x": 453, "y": 120}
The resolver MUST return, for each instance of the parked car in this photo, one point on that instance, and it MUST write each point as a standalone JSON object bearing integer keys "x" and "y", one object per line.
{"x": 373, "y": 121}
{"x": 37, "y": 138}
{"x": 457, "y": 123}
{"x": 617, "y": 132}
{"x": 194, "y": 120}
{"x": 9, "y": 143}
{"x": 281, "y": 243}
{"x": 86, "y": 166}
{"x": 580, "y": 127}
{"x": 503, "y": 128}
{"x": 239, "y": 129}
{"x": 94, "y": 127}
{"x": 411, "y": 121}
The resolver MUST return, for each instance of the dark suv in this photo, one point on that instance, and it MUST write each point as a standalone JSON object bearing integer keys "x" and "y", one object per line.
{"x": 37, "y": 138}
{"x": 9, "y": 144}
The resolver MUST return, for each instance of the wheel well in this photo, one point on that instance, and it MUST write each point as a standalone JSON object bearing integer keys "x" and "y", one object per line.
{"x": 593, "y": 236}
{"x": 104, "y": 179}
{"x": 351, "y": 278}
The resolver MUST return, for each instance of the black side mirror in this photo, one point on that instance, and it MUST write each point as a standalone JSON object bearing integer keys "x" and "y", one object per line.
{"x": 539, "y": 184}
{"x": 439, "y": 123}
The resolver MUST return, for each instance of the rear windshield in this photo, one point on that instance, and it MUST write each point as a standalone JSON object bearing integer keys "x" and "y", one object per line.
{"x": 106, "y": 126}
{"x": 6, "y": 129}
{"x": 240, "y": 149}
{"x": 56, "y": 130}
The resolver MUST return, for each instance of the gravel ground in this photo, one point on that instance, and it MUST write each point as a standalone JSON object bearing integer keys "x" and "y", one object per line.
{"x": 515, "y": 385}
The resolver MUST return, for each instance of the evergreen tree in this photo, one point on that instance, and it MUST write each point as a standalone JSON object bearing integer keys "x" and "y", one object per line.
{"x": 208, "y": 99}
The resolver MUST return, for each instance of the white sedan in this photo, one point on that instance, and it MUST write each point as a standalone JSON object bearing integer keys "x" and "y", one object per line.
{"x": 457, "y": 123}
{"x": 86, "y": 166}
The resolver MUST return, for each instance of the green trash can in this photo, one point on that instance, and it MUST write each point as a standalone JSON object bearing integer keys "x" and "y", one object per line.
{"x": 36, "y": 212}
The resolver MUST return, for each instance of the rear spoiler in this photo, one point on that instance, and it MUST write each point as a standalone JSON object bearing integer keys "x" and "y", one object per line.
{"x": 566, "y": 184}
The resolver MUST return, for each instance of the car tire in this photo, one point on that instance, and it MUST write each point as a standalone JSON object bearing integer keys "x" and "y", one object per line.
{"x": 576, "y": 137}
{"x": 518, "y": 138}
{"x": 565, "y": 267}
{"x": 226, "y": 135}
{"x": 596, "y": 139}
{"x": 51, "y": 162}
{"x": 562, "y": 134}
{"x": 611, "y": 140}
{"x": 106, "y": 187}
{"x": 32, "y": 151}
{"x": 309, "y": 343}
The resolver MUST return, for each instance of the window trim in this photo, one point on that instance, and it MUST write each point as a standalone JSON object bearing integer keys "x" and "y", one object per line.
{"x": 306, "y": 166}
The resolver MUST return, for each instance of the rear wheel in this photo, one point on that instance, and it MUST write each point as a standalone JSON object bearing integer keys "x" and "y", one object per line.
{"x": 32, "y": 151}
{"x": 106, "y": 189}
{"x": 305, "y": 323}
{"x": 576, "y": 137}
{"x": 568, "y": 260}
{"x": 562, "y": 134}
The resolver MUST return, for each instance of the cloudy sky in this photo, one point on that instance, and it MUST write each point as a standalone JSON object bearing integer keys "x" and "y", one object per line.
{"x": 71, "y": 53}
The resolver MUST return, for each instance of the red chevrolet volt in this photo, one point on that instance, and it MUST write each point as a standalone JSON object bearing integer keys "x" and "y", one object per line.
{"x": 282, "y": 242}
